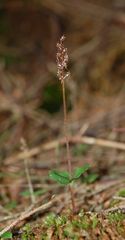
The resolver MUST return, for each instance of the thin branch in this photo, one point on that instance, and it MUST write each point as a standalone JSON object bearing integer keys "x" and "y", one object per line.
{"x": 115, "y": 209}
{"x": 119, "y": 198}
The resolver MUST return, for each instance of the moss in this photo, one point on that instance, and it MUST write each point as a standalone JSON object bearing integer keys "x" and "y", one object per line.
{"x": 68, "y": 226}
{"x": 116, "y": 217}
{"x": 27, "y": 233}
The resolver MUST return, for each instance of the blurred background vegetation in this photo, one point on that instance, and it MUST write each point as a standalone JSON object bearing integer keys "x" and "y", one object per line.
{"x": 30, "y": 95}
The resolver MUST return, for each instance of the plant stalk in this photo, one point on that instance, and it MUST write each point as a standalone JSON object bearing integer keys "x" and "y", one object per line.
{"x": 67, "y": 142}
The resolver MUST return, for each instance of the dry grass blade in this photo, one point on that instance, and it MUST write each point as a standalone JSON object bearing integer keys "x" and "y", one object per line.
{"x": 24, "y": 148}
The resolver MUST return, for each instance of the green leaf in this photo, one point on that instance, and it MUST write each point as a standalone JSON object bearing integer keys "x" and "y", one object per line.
{"x": 91, "y": 178}
{"x": 79, "y": 171}
{"x": 7, "y": 235}
{"x": 60, "y": 177}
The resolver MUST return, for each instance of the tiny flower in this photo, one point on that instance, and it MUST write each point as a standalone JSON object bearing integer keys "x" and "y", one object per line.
{"x": 62, "y": 59}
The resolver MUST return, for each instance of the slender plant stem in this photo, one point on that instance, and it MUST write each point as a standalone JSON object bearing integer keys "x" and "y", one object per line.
{"x": 65, "y": 128}
{"x": 62, "y": 61}
{"x": 67, "y": 142}
{"x": 72, "y": 199}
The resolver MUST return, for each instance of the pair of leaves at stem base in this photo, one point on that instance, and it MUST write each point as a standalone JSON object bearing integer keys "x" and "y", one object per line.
{"x": 64, "y": 178}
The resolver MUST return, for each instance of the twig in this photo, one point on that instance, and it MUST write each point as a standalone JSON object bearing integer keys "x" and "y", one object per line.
{"x": 72, "y": 139}
{"x": 25, "y": 149}
{"x": 100, "y": 142}
{"x": 115, "y": 209}
{"x": 100, "y": 188}
{"x": 6, "y": 218}
{"x": 119, "y": 198}
{"x": 26, "y": 215}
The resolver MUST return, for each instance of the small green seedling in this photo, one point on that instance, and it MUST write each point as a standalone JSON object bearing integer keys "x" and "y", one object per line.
{"x": 63, "y": 177}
